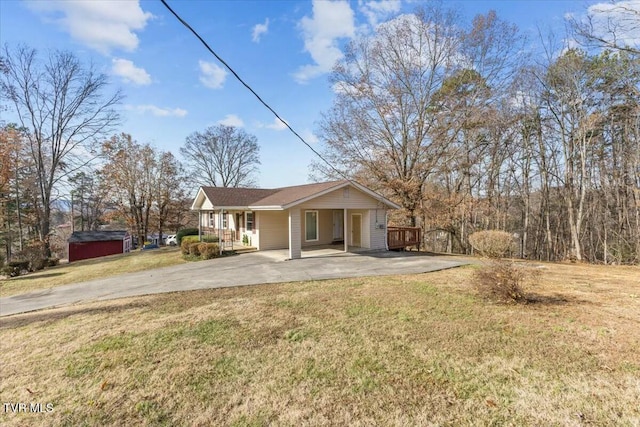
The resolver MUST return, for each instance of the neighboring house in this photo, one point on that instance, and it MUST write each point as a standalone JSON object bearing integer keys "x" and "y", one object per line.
{"x": 94, "y": 244}
{"x": 296, "y": 217}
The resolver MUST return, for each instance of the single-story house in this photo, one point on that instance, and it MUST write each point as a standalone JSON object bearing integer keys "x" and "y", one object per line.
{"x": 296, "y": 217}
{"x": 94, "y": 244}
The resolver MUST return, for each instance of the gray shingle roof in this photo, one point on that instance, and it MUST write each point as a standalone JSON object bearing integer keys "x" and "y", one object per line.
{"x": 97, "y": 236}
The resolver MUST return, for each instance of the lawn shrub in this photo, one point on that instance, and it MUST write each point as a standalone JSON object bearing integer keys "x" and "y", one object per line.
{"x": 194, "y": 249}
{"x": 210, "y": 239}
{"x": 15, "y": 268}
{"x": 192, "y": 239}
{"x": 491, "y": 243}
{"x": 52, "y": 262}
{"x": 186, "y": 232}
{"x": 34, "y": 255}
{"x": 503, "y": 281}
{"x": 209, "y": 250}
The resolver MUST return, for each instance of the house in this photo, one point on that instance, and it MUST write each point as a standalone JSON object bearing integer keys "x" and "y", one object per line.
{"x": 341, "y": 212}
{"x": 94, "y": 244}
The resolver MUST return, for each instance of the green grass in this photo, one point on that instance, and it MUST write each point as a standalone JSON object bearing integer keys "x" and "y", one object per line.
{"x": 403, "y": 350}
{"x": 91, "y": 269}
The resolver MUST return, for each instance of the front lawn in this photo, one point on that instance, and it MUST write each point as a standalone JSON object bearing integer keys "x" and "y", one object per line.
{"x": 90, "y": 269}
{"x": 402, "y": 350}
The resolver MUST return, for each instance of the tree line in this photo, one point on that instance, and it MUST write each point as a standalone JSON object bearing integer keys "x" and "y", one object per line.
{"x": 59, "y": 164}
{"x": 467, "y": 131}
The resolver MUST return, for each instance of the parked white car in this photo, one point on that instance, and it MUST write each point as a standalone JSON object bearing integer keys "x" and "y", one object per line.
{"x": 172, "y": 240}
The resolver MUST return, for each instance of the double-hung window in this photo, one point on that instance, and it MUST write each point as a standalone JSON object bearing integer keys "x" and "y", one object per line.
{"x": 248, "y": 221}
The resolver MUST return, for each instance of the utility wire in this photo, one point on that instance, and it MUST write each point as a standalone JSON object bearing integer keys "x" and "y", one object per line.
{"x": 206, "y": 45}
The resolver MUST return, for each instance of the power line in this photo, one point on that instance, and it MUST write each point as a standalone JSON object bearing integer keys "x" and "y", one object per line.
{"x": 206, "y": 45}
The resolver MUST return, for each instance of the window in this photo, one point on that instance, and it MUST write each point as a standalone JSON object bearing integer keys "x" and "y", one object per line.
{"x": 211, "y": 220}
{"x": 311, "y": 225}
{"x": 224, "y": 220}
{"x": 248, "y": 221}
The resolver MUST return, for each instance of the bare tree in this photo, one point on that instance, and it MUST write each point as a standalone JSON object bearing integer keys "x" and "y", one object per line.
{"x": 63, "y": 107}
{"x": 223, "y": 156}
{"x": 130, "y": 174}
{"x": 381, "y": 126}
{"x": 613, "y": 26}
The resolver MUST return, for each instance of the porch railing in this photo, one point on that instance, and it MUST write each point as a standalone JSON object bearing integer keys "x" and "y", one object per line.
{"x": 403, "y": 237}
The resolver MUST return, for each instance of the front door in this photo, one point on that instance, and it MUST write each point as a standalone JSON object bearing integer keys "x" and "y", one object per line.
{"x": 356, "y": 229}
{"x": 338, "y": 226}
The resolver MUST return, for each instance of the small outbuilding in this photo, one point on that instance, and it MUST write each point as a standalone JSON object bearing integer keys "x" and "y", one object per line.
{"x": 94, "y": 244}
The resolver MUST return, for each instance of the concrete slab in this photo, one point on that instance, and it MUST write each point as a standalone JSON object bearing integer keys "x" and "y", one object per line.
{"x": 240, "y": 270}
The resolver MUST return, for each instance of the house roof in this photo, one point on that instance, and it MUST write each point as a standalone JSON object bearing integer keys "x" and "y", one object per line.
{"x": 97, "y": 236}
{"x": 224, "y": 196}
{"x": 278, "y": 198}
{"x": 290, "y": 195}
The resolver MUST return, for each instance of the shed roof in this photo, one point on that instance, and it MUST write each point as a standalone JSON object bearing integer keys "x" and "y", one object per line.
{"x": 98, "y": 236}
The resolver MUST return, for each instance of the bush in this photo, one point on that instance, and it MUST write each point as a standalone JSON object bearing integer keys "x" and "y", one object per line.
{"x": 191, "y": 239}
{"x": 52, "y": 262}
{"x": 503, "y": 281}
{"x": 491, "y": 243}
{"x": 34, "y": 255}
{"x": 186, "y": 232}
{"x": 15, "y": 268}
{"x": 210, "y": 239}
{"x": 194, "y": 249}
{"x": 208, "y": 250}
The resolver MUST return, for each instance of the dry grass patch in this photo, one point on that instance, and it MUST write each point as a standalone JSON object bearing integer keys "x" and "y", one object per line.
{"x": 90, "y": 269}
{"x": 403, "y": 350}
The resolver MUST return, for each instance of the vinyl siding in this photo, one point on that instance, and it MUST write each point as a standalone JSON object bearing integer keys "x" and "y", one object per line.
{"x": 325, "y": 228}
{"x": 340, "y": 199}
{"x": 273, "y": 229}
{"x": 377, "y": 239}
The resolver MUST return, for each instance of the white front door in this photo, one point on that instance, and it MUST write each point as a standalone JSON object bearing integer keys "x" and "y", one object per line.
{"x": 338, "y": 225}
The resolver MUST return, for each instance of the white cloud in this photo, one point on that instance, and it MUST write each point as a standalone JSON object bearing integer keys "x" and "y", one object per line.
{"x": 330, "y": 21}
{"x": 129, "y": 72}
{"x": 157, "y": 111}
{"x": 621, "y": 19}
{"x": 212, "y": 76}
{"x": 375, "y": 11}
{"x": 231, "y": 120}
{"x": 259, "y": 30}
{"x": 309, "y": 136}
{"x": 277, "y": 125}
{"x": 101, "y": 25}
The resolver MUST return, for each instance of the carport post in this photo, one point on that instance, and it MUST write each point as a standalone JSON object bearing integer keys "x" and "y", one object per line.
{"x": 344, "y": 231}
{"x": 295, "y": 239}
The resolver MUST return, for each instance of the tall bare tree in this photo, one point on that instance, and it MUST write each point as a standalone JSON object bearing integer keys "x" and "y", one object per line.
{"x": 222, "y": 156}
{"x": 63, "y": 106}
{"x": 381, "y": 126}
{"x": 612, "y": 26}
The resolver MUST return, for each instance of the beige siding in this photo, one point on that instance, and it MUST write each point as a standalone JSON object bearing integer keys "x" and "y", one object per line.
{"x": 325, "y": 228}
{"x": 377, "y": 240}
{"x": 273, "y": 229}
{"x": 347, "y": 197}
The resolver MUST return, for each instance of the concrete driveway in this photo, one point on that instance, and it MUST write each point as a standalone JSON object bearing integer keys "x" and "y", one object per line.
{"x": 240, "y": 270}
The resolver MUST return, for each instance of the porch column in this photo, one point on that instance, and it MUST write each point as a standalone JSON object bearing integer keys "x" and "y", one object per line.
{"x": 220, "y": 236}
{"x": 295, "y": 240}
{"x": 344, "y": 231}
{"x": 200, "y": 225}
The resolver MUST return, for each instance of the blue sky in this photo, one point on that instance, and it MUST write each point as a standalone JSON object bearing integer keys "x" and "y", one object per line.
{"x": 283, "y": 49}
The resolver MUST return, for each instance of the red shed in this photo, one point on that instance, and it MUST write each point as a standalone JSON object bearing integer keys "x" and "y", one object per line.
{"x": 94, "y": 244}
